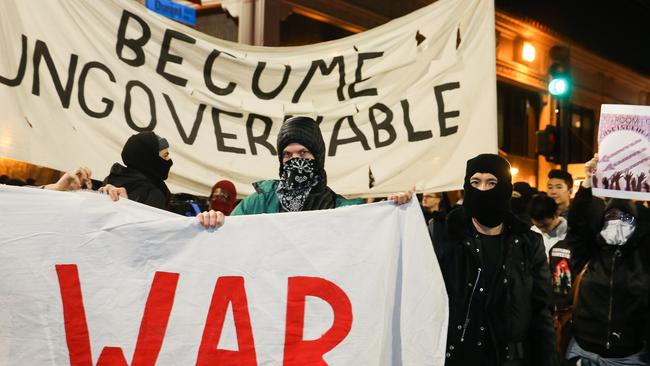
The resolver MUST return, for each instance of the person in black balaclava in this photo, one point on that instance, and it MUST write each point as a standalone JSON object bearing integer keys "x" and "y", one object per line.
{"x": 303, "y": 181}
{"x": 488, "y": 188}
{"x": 522, "y": 194}
{"x": 496, "y": 275}
{"x": 147, "y": 160}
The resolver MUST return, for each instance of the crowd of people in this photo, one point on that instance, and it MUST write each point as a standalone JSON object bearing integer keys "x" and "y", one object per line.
{"x": 533, "y": 278}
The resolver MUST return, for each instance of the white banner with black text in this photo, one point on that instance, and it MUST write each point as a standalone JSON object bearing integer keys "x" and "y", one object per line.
{"x": 403, "y": 104}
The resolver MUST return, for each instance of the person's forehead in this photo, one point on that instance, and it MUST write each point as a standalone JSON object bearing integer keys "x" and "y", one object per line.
{"x": 294, "y": 146}
{"x": 483, "y": 176}
{"x": 555, "y": 181}
{"x": 614, "y": 212}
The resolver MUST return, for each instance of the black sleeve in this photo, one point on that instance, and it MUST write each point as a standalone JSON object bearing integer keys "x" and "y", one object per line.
{"x": 647, "y": 330}
{"x": 541, "y": 333}
{"x": 585, "y": 222}
{"x": 155, "y": 198}
{"x": 436, "y": 228}
{"x": 578, "y": 218}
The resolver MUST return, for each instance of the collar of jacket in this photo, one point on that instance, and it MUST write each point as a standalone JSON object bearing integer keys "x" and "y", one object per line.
{"x": 459, "y": 224}
{"x": 266, "y": 186}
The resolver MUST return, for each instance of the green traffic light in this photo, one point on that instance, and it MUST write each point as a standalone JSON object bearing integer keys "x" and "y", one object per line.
{"x": 558, "y": 86}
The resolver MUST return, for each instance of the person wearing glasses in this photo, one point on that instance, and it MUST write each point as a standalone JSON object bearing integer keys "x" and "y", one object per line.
{"x": 611, "y": 319}
{"x": 302, "y": 183}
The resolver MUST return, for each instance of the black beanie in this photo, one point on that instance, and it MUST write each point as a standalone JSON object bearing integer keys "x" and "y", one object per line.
{"x": 488, "y": 207}
{"x": 304, "y": 131}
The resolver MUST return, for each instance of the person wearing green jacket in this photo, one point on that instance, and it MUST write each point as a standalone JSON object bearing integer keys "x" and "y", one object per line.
{"x": 303, "y": 181}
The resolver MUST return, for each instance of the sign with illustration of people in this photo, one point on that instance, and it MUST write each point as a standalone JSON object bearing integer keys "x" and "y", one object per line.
{"x": 623, "y": 169}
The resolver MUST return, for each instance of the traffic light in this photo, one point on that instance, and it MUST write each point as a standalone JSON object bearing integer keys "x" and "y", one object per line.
{"x": 560, "y": 72}
{"x": 548, "y": 144}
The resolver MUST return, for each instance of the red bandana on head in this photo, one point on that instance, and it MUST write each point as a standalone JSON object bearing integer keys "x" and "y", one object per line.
{"x": 220, "y": 203}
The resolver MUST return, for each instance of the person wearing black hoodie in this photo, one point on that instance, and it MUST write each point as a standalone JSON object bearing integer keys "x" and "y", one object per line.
{"x": 147, "y": 160}
{"x": 611, "y": 320}
{"x": 496, "y": 276}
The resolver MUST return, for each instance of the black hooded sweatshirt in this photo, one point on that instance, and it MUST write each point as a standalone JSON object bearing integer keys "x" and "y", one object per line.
{"x": 612, "y": 315}
{"x": 145, "y": 171}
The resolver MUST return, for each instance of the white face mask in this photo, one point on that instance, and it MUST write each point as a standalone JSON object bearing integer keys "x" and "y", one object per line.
{"x": 617, "y": 232}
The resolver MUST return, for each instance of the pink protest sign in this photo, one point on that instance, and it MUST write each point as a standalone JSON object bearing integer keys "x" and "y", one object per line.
{"x": 624, "y": 152}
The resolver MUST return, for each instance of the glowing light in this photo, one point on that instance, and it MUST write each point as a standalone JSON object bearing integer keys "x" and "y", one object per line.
{"x": 514, "y": 171}
{"x": 558, "y": 86}
{"x": 528, "y": 52}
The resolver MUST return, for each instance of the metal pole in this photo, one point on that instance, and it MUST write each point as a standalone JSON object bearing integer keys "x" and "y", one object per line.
{"x": 564, "y": 132}
{"x": 246, "y": 30}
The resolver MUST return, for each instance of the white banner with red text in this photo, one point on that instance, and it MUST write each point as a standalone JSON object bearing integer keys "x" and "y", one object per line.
{"x": 403, "y": 104}
{"x": 86, "y": 281}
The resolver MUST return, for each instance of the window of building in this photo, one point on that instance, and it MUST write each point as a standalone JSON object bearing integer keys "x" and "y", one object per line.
{"x": 518, "y": 117}
{"x": 217, "y": 23}
{"x": 299, "y": 30}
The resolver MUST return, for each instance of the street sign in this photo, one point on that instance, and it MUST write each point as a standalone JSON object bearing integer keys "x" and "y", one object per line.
{"x": 173, "y": 10}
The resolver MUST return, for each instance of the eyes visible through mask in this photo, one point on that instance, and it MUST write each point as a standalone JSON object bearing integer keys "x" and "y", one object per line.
{"x": 616, "y": 214}
{"x": 483, "y": 181}
{"x": 296, "y": 150}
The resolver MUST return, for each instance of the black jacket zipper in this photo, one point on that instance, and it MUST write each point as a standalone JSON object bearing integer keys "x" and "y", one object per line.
{"x": 469, "y": 306}
{"x": 617, "y": 253}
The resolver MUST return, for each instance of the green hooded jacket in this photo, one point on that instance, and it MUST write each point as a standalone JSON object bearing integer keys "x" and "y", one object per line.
{"x": 265, "y": 200}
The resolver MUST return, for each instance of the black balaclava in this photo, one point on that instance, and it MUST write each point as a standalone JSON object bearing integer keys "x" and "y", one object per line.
{"x": 520, "y": 204}
{"x": 141, "y": 152}
{"x": 489, "y": 207}
{"x": 304, "y": 131}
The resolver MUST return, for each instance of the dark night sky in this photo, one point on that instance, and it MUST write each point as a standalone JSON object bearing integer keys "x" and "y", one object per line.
{"x": 617, "y": 30}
